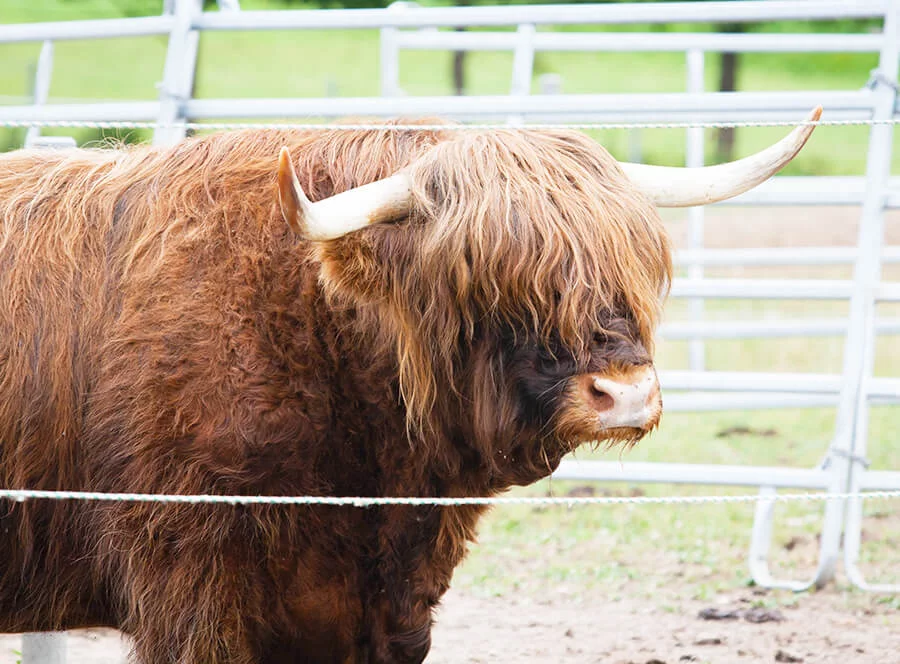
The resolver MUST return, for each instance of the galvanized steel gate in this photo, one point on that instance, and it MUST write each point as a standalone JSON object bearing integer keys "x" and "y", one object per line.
{"x": 406, "y": 26}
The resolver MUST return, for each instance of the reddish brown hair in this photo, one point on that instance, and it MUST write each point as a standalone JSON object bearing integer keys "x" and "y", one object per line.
{"x": 161, "y": 330}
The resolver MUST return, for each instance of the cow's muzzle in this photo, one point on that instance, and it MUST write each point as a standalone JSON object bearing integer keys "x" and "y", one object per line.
{"x": 623, "y": 399}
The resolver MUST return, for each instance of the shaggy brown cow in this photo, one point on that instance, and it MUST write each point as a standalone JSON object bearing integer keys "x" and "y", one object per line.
{"x": 452, "y": 330}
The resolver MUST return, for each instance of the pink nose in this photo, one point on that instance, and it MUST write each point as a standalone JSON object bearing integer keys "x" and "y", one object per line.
{"x": 626, "y": 399}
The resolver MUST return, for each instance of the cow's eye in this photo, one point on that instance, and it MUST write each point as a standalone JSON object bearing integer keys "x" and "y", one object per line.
{"x": 600, "y": 339}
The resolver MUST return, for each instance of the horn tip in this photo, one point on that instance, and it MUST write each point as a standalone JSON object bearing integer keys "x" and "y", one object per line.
{"x": 815, "y": 114}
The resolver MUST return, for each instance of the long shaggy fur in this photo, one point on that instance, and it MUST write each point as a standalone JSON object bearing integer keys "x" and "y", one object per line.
{"x": 161, "y": 330}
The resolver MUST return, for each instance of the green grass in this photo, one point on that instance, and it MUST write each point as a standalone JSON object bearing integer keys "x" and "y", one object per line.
{"x": 619, "y": 548}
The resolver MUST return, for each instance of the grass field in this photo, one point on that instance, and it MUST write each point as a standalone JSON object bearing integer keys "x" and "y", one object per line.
{"x": 624, "y": 549}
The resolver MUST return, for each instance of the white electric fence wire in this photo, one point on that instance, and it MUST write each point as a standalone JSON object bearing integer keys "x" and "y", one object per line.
{"x": 22, "y": 495}
{"x": 86, "y": 124}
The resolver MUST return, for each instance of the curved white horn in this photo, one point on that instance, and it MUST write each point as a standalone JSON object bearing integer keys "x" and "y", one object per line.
{"x": 683, "y": 187}
{"x": 381, "y": 201}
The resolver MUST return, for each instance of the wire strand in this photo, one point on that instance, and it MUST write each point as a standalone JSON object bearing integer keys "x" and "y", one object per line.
{"x": 224, "y": 126}
{"x": 22, "y": 495}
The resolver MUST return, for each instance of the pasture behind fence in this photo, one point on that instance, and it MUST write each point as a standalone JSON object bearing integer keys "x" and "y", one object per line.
{"x": 406, "y": 26}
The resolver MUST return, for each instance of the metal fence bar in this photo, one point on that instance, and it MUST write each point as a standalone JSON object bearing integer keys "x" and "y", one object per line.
{"x": 389, "y": 57}
{"x": 857, "y": 464}
{"x": 128, "y": 111}
{"x": 523, "y": 60}
{"x": 178, "y": 74}
{"x": 678, "y": 473}
{"x": 694, "y": 158}
{"x": 624, "y": 108}
{"x": 781, "y": 256}
{"x": 778, "y": 289}
{"x": 522, "y": 67}
{"x": 633, "y": 108}
{"x": 105, "y": 28}
{"x": 675, "y": 12}
{"x": 880, "y": 480}
{"x": 648, "y": 42}
{"x": 754, "y": 381}
{"x": 771, "y": 289}
{"x": 42, "y": 76}
{"x": 699, "y": 402}
{"x": 819, "y": 190}
{"x": 859, "y": 471}
{"x": 767, "y": 329}
{"x": 448, "y": 17}
{"x": 664, "y": 107}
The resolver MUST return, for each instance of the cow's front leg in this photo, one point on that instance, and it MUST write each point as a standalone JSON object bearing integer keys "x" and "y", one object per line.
{"x": 400, "y": 632}
{"x": 420, "y": 548}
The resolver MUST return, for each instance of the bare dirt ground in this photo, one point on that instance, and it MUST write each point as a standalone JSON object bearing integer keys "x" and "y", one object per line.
{"x": 819, "y": 629}
{"x": 556, "y": 628}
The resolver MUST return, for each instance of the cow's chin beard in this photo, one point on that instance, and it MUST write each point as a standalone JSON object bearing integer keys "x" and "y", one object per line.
{"x": 530, "y": 456}
{"x": 576, "y": 431}
{"x": 541, "y": 456}
{"x": 623, "y": 437}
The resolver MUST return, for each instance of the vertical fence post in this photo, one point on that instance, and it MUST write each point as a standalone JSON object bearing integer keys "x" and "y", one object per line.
{"x": 694, "y": 159}
{"x": 389, "y": 60}
{"x": 44, "y": 648}
{"x": 389, "y": 63}
{"x": 523, "y": 61}
{"x": 522, "y": 67}
{"x": 390, "y": 53}
{"x": 42, "y": 75}
{"x": 178, "y": 74}
{"x": 41, "y": 87}
{"x": 867, "y": 275}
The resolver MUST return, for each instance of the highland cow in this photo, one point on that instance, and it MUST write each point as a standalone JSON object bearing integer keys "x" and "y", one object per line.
{"x": 186, "y": 320}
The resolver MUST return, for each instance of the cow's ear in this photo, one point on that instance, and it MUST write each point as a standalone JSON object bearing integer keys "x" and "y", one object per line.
{"x": 364, "y": 266}
{"x": 383, "y": 201}
{"x": 358, "y": 265}
{"x": 294, "y": 203}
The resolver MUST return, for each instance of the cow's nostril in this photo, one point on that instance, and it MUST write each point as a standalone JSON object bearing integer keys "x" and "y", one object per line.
{"x": 601, "y": 400}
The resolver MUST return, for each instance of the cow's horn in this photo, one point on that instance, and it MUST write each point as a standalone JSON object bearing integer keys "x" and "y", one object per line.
{"x": 683, "y": 187}
{"x": 381, "y": 201}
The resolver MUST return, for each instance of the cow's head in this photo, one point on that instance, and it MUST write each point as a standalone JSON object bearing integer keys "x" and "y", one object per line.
{"x": 520, "y": 276}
